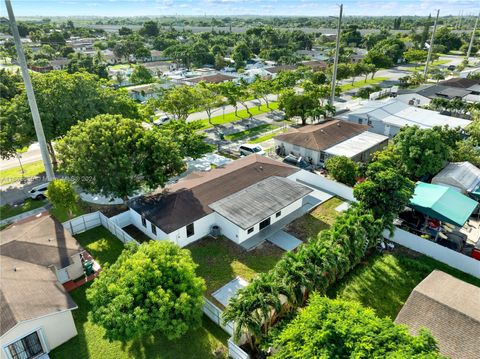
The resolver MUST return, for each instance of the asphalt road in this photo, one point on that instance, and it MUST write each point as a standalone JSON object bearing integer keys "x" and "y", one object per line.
{"x": 32, "y": 155}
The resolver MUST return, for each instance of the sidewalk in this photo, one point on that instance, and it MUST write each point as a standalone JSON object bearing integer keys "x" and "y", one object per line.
{"x": 24, "y": 215}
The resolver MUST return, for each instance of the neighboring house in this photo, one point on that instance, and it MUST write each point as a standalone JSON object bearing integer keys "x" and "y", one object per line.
{"x": 158, "y": 68}
{"x": 156, "y": 55}
{"x": 388, "y": 117}
{"x": 143, "y": 92}
{"x": 109, "y": 57}
{"x": 45, "y": 242}
{"x": 35, "y": 309}
{"x": 331, "y": 138}
{"x": 460, "y": 82}
{"x": 274, "y": 71}
{"x": 59, "y": 64}
{"x": 422, "y": 95}
{"x": 449, "y": 308}
{"x": 216, "y": 79}
{"x": 239, "y": 201}
{"x": 461, "y": 176}
{"x": 315, "y": 65}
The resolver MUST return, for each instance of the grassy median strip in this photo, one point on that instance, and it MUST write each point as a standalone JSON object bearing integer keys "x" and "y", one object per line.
{"x": 250, "y": 132}
{"x": 241, "y": 114}
{"x": 14, "y": 174}
{"x": 8, "y": 211}
{"x": 362, "y": 83}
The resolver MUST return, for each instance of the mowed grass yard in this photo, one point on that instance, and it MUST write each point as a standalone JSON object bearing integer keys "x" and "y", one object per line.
{"x": 320, "y": 218}
{"x": 384, "y": 281}
{"x": 7, "y": 210}
{"x": 220, "y": 260}
{"x": 89, "y": 343}
{"x": 14, "y": 174}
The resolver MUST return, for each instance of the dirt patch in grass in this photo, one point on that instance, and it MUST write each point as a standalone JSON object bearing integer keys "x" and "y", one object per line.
{"x": 320, "y": 218}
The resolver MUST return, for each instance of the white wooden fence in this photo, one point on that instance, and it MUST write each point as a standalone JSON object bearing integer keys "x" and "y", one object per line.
{"x": 91, "y": 220}
{"x": 215, "y": 314}
{"x": 235, "y": 352}
{"x": 440, "y": 253}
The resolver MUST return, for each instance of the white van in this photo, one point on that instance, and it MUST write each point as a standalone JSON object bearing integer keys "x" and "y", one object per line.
{"x": 248, "y": 149}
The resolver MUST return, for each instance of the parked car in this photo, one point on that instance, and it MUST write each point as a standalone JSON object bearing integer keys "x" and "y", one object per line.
{"x": 248, "y": 149}
{"x": 451, "y": 68}
{"x": 161, "y": 120}
{"x": 38, "y": 192}
{"x": 298, "y": 162}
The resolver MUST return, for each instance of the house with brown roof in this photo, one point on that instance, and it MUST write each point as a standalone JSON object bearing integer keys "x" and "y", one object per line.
{"x": 238, "y": 200}
{"x": 316, "y": 143}
{"x": 449, "y": 308}
{"x": 35, "y": 309}
{"x": 215, "y": 79}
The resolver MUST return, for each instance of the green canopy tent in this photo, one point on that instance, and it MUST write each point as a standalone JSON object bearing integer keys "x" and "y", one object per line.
{"x": 442, "y": 203}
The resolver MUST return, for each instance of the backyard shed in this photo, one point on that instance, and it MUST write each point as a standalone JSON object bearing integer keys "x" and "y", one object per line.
{"x": 442, "y": 203}
{"x": 462, "y": 176}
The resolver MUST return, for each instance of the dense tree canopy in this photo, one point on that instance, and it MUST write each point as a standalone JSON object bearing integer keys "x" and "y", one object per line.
{"x": 342, "y": 169}
{"x": 329, "y": 328}
{"x": 62, "y": 195}
{"x": 150, "y": 288}
{"x": 116, "y": 156}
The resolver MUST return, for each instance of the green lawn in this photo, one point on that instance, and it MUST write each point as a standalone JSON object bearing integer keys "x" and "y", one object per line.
{"x": 250, "y": 132}
{"x": 62, "y": 214}
{"x": 320, "y": 218}
{"x": 220, "y": 260}
{"x": 241, "y": 114}
{"x": 432, "y": 64}
{"x": 7, "y": 210}
{"x": 362, "y": 83}
{"x": 267, "y": 137}
{"x": 89, "y": 343}
{"x": 14, "y": 174}
{"x": 384, "y": 281}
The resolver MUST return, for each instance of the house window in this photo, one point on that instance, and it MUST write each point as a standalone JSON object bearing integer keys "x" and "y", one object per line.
{"x": 250, "y": 230}
{"x": 278, "y": 214}
{"x": 360, "y": 121}
{"x": 154, "y": 229}
{"x": 322, "y": 157}
{"x": 26, "y": 348}
{"x": 190, "y": 230}
{"x": 144, "y": 222}
{"x": 264, "y": 224}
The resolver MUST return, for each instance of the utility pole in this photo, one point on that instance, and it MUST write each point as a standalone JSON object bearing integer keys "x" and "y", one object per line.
{"x": 30, "y": 94}
{"x": 430, "y": 49}
{"x": 337, "y": 50}
{"x": 473, "y": 37}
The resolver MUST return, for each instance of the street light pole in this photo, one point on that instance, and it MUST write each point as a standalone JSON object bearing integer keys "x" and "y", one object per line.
{"x": 337, "y": 50}
{"x": 473, "y": 37}
{"x": 30, "y": 94}
{"x": 430, "y": 49}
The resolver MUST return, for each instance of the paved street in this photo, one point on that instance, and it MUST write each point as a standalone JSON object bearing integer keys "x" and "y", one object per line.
{"x": 32, "y": 155}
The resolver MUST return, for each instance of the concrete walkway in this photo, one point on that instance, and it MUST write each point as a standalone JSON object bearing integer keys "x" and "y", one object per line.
{"x": 24, "y": 215}
{"x": 285, "y": 241}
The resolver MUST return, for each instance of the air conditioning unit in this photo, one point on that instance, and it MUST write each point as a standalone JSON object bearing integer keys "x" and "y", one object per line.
{"x": 215, "y": 231}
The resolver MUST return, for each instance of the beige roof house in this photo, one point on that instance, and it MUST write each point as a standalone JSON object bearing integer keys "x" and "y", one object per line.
{"x": 450, "y": 309}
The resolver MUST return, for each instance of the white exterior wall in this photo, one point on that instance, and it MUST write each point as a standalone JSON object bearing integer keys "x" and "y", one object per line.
{"x": 201, "y": 228}
{"x": 299, "y": 151}
{"x": 74, "y": 270}
{"x": 54, "y": 329}
{"x": 136, "y": 220}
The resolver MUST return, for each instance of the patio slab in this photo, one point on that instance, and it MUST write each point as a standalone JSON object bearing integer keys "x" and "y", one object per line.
{"x": 343, "y": 207}
{"x": 285, "y": 241}
{"x": 229, "y": 290}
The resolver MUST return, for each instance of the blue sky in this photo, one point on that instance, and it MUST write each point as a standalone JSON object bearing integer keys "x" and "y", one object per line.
{"x": 238, "y": 7}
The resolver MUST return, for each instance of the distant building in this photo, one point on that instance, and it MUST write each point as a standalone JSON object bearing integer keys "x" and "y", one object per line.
{"x": 216, "y": 79}
{"x": 317, "y": 143}
{"x": 388, "y": 117}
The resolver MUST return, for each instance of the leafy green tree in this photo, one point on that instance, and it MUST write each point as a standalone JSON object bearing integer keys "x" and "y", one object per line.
{"x": 385, "y": 191}
{"x": 10, "y": 84}
{"x": 261, "y": 90}
{"x": 180, "y": 101}
{"x": 297, "y": 104}
{"x": 415, "y": 55}
{"x": 141, "y": 75}
{"x": 466, "y": 150}
{"x": 125, "y": 31}
{"x": 422, "y": 151}
{"x": 342, "y": 169}
{"x": 150, "y": 28}
{"x": 231, "y": 93}
{"x": 187, "y": 136}
{"x": 63, "y": 100}
{"x": 62, "y": 195}
{"x": 377, "y": 60}
{"x": 209, "y": 98}
{"x": 150, "y": 288}
{"x": 115, "y": 156}
{"x": 329, "y": 328}
{"x": 220, "y": 62}
{"x": 240, "y": 54}
{"x": 343, "y": 71}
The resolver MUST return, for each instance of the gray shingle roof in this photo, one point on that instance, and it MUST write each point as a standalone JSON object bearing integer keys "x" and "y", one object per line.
{"x": 253, "y": 204}
{"x": 450, "y": 309}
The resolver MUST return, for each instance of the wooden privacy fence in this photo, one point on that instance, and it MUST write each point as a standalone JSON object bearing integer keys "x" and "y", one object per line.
{"x": 91, "y": 220}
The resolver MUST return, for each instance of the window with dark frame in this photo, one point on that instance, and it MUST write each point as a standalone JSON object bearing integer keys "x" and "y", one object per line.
{"x": 27, "y": 347}
{"x": 250, "y": 230}
{"x": 190, "y": 230}
{"x": 144, "y": 222}
{"x": 154, "y": 229}
{"x": 278, "y": 214}
{"x": 264, "y": 224}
